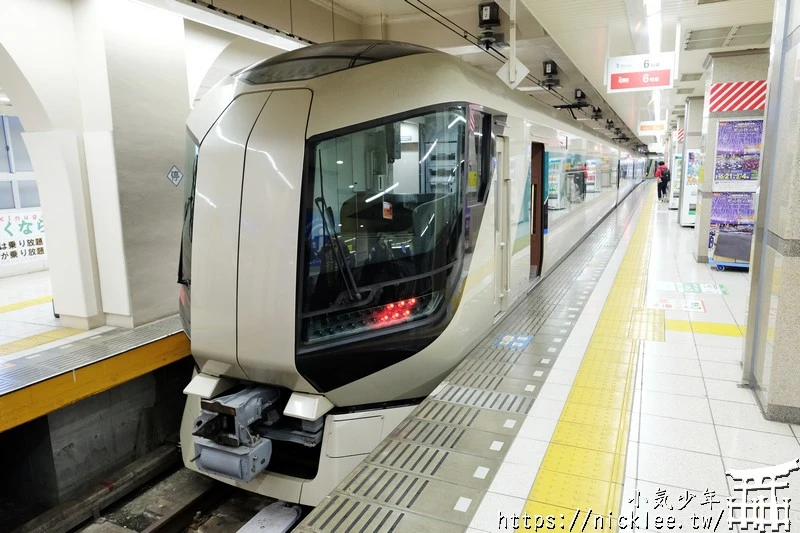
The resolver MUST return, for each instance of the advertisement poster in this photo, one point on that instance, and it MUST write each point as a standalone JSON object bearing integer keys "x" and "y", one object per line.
{"x": 675, "y": 183}
{"x": 692, "y": 177}
{"x": 738, "y": 155}
{"x": 733, "y": 208}
{"x": 556, "y": 186}
{"x": 732, "y": 220}
{"x": 21, "y": 237}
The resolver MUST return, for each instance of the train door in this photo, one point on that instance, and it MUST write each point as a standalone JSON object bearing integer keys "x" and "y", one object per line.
{"x": 502, "y": 261}
{"x": 537, "y": 208}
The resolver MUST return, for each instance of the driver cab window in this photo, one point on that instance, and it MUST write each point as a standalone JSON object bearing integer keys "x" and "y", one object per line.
{"x": 383, "y": 223}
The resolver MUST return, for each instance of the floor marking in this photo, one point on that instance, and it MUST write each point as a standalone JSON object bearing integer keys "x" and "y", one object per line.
{"x": 496, "y": 446}
{"x": 514, "y": 342}
{"x": 530, "y": 388}
{"x": 27, "y": 303}
{"x": 37, "y": 340}
{"x": 551, "y": 350}
{"x": 584, "y": 465}
{"x": 705, "y": 328}
{"x": 545, "y": 361}
{"x": 510, "y": 423}
{"x": 538, "y": 373}
{"x": 462, "y": 504}
{"x": 691, "y": 287}
{"x": 671, "y": 304}
{"x": 481, "y": 472}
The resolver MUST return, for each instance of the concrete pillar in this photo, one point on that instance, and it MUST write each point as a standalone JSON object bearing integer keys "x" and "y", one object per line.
{"x": 771, "y": 363}
{"x": 104, "y": 124}
{"x": 48, "y": 101}
{"x": 723, "y": 67}
{"x": 147, "y": 81}
{"x": 693, "y": 131}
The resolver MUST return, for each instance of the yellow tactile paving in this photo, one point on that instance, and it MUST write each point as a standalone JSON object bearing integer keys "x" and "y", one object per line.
{"x": 584, "y": 436}
{"x": 706, "y": 328}
{"x": 584, "y": 465}
{"x": 27, "y": 303}
{"x": 37, "y": 340}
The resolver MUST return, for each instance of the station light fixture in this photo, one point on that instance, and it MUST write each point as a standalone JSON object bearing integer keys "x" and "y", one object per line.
{"x": 201, "y": 15}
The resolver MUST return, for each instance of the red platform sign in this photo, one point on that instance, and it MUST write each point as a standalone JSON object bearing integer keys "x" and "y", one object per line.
{"x": 656, "y": 79}
{"x": 640, "y": 73}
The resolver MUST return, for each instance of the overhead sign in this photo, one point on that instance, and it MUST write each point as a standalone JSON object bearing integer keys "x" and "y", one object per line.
{"x": 640, "y": 72}
{"x": 652, "y": 127}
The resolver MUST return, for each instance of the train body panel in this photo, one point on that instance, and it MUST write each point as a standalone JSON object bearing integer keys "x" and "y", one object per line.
{"x": 268, "y": 239}
{"x": 216, "y": 217}
{"x": 349, "y": 236}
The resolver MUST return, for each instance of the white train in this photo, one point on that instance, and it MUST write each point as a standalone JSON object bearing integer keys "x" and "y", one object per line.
{"x": 358, "y": 215}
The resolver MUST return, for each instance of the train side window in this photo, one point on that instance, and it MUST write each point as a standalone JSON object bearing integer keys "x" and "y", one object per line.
{"x": 479, "y": 170}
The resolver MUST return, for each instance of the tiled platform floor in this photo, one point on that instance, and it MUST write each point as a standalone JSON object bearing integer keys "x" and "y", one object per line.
{"x": 637, "y": 414}
{"x": 27, "y": 320}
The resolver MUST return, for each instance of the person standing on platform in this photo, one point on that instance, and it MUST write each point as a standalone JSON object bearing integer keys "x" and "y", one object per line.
{"x": 663, "y": 176}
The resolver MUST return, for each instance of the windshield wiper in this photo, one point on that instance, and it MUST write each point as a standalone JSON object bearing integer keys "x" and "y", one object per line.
{"x": 338, "y": 249}
{"x": 187, "y": 209}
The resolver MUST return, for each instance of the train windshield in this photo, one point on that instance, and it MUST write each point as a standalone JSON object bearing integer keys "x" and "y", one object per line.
{"x": 383, "y": 224}
{"x": 185, "y": 259}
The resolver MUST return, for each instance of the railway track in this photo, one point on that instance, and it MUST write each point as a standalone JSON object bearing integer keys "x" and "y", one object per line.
{"x": 157, "y": 495}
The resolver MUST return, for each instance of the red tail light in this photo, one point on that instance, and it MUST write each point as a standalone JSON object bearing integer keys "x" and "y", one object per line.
{"x": 394, "y": 312}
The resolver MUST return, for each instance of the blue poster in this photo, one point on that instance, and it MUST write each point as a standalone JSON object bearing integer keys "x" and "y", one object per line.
{"x": 738, "y": 152}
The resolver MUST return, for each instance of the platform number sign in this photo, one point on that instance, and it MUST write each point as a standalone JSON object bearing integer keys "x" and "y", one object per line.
{"x": 175, "y": 175}
{"x": 640, "y": 72}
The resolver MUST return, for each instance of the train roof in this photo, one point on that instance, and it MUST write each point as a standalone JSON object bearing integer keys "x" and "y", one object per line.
{"x": 327, "y": 58}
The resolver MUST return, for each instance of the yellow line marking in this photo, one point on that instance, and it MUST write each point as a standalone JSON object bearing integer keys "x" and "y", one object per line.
{"x": 679, "y": 325}
{"x": 37, "y": 400}
{"x": 27, "y": 303}
{"x": 706, "y": 328}
{"x": 584, "y": 465}
{"x": 37, "y": 340}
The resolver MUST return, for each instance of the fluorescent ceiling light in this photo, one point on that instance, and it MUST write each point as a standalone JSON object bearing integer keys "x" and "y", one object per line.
{"x": 4, "y": 99}
{"x": 222, "y": 22}
{"x": 531, "y": 89}
{"x": 455, "y": 121}
{"x": 390, "y": 188}
{"x": 654, "y": 25}
{"x": 429, "y": 151}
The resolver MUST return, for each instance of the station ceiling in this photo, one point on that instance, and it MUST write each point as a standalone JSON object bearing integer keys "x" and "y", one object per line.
{"x": 578, "y": 35}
